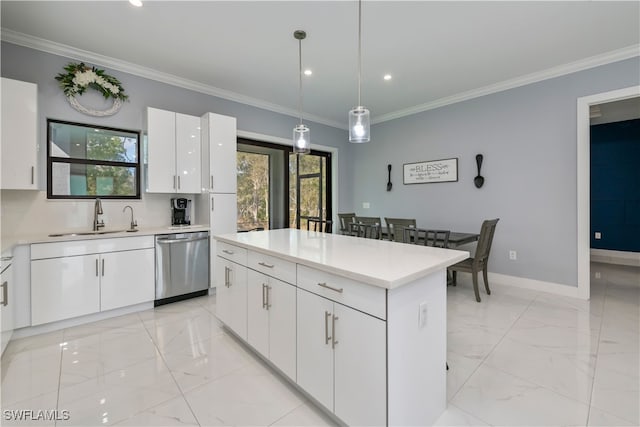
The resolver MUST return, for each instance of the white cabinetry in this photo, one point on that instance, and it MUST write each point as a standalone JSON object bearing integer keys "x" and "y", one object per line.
{"x": 222, "y": 215}
{"x": 173, "y": 152}
{"x": 231, "y": 295}
{"x": 7, "y": 300}
{"x": 342, "y": 359}
{"x": 219, "y": 153}
{"x": 271, "y": 320}
{"x": 71, "y": 279}
{"x": 19, "y": 135}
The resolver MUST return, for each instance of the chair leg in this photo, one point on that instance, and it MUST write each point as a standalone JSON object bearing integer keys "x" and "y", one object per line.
{"x": 486, "y": 280}
{"x": 474, "y": 276}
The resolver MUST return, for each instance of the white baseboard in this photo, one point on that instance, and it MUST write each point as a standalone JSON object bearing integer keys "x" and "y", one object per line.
{"x": 616, "y": 257}
{"x": 535, "y": 285}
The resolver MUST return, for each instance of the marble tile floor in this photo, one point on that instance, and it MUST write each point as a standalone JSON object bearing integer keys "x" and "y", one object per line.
{"x": 518, "y": 358}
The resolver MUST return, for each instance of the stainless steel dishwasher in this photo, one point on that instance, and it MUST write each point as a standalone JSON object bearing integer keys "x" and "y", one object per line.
{"x": 182, "y": 266}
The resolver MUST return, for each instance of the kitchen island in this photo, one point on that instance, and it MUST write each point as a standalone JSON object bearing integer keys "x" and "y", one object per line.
{"x": 357, "y": 324}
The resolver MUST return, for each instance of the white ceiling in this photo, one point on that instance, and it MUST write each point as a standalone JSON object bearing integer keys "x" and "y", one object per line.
{"x": 437, "y": 52}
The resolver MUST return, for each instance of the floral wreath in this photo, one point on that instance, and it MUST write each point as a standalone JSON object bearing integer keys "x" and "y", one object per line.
{"x": 80, "y": 77}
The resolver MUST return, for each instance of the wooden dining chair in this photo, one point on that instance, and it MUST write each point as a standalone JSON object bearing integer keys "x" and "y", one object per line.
{"x": 480, "y": 260}
{"x": 426, "y": 237}
{"x": 368, "y": 231}
{"x": 396, "y": 226}
{"x": 317, "y": 224}
{"x": 368, "y": 220}
{"x": 345, "y": 220}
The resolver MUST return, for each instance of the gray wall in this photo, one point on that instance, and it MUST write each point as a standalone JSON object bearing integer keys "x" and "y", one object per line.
{"x": 34, "y": 66}
{"x": 528, "y": 138}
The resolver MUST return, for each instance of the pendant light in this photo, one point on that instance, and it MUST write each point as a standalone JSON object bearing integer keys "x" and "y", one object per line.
{"x": 359, "y": 127}
{"x": 301, "y": 140}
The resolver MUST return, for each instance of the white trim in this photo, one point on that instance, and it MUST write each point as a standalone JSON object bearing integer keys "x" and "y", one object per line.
{"x": 60, "y": 49}
{"x": 561, "y": 70}
{"x": 615, "y": 257}
{"x": 534, "y": 285}
{"x": 43, "y": 45}
{"x": 288, "y": 142}
{"x": 583, "y": 150}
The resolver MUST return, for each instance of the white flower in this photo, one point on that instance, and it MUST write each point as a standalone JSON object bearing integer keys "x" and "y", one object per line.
{"x": 84, "y": 78}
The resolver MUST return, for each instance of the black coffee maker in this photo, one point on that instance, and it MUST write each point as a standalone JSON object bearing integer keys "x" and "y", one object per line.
{"x": 180, "y": 211}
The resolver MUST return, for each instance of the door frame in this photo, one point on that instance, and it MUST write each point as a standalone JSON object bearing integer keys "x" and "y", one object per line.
{"x": 283, "y": 141}
{"x": 583, "y": 167}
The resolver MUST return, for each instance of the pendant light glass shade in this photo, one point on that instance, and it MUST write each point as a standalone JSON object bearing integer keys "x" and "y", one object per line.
{"x": 301, "y": 138}
{"x": 359, "y": 126}
{"x": 359, "y": 123}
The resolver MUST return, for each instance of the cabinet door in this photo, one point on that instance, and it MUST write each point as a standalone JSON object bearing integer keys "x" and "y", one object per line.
{"x": 231, "y": 296}
{"x": 6, "y": 307}
{"x": 223, "y": 219}
{"x": 257, "y": 313}
{"x": 360, "y": 368}
{"x": 62, "y": 288}
{"x": 19, "y": 135}
{"x": 222, "y": 154}
{"x": 188, "y": 167}
{"x": 315, "y": 355}
{"x": 161, "y": 151}
{"x": 126, "y": 278}
{"x": 281, "y": 299}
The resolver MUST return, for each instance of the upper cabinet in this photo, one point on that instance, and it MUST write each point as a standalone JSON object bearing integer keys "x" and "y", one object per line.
{"x": 19, "y": 135}
{"x": 173, "y": 152}
{"x": 219, "y": 147}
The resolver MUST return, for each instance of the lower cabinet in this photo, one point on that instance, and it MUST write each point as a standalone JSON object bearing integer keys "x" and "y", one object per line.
{"x": 125, "y": 278}
{"x": 271, "y": 318}
{"x": 341, "y": 359}
{"x": 231, "y": 295}
{"x": 7, "y": 304}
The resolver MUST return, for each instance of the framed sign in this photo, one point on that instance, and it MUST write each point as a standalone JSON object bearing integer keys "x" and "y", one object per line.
{"x": 445, "y": 170}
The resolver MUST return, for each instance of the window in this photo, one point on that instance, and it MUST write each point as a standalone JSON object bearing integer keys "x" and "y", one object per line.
{"x": 85, "y": 162}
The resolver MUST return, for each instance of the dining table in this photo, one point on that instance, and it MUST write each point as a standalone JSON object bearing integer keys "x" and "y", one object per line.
{"x": 456, "y": 238}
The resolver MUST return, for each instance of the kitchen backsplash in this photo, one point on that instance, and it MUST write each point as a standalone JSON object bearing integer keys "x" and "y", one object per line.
{"x": 27, "y": 213}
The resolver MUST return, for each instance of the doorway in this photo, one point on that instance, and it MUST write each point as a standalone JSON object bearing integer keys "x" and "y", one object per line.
{"x": 280, "y": 189}
{"x": 583, "y": 179}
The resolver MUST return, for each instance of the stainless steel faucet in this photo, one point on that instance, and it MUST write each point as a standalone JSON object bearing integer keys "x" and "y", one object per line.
{"x": 134, "y": 224}
{"x": 97, "y": 210}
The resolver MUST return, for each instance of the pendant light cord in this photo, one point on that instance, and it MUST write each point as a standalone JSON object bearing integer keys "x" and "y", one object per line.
{"x": 359, "y": 48}
{"x": 300, "y": 78}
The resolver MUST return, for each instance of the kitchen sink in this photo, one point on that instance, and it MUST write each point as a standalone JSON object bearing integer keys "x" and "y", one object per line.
{"x": 85, "y": 233}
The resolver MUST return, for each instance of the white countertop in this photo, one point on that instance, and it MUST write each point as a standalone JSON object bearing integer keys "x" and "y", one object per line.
{"x": 8, "y": 242}
{"x": 377, "y": 262}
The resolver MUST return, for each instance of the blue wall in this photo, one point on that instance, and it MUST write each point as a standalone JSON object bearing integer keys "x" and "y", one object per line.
{"x": 615, "y": 185}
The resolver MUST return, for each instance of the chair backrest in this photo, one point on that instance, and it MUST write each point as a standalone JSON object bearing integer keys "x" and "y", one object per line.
{"x": 317, "y": 224}
{"x": 345, "y": 220}
{"x": 485, "y": 240}
{"x": 368, "y": 220}
{"x": 426, "y": 237}
{"x": 396, "y": 226}
{"x": 368, "y": 231}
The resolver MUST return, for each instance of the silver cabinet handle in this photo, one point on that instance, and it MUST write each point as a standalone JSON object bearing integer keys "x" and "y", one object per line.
{"x": 5, "y": 293}
{"x": 178, "y": 181}
{"x": 268, "y": 302}
{"x": 102, "y": 267}
{"x": 212, "y": 204}
{"x": 264, "y": 264}
{"x": 33, "y": 174}
{"x": 264, "y": 298}
{"x": 324, "y": 285}
{"x": 228, "y": 252}
{"x": 6, "y": 258}
{"x": 212, "y": 182}
{"x": 326, "y": 327}
{"x": 333, "y": 331}
{"x": 97, "y": 273}
{"x": 174, "y": 182}
{"x": 226, "y": 276}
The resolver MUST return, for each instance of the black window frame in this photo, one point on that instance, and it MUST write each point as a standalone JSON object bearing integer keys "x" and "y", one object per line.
{"x": 51, "y": 160}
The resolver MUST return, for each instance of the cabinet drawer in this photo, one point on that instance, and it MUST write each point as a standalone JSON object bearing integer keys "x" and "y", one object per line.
{"x": 272, "y": 266}
{"x": 89, "y": 246}
{"x": 361, "y": 296}
{"x": 231, "y": 252}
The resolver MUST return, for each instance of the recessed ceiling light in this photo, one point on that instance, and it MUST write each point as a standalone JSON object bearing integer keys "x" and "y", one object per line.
{"x": 136, "y": 3}
{"x": 308, "y": 72}
{"x": 387, "y": 77}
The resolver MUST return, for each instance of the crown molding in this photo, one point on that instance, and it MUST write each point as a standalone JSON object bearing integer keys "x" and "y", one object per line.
{"x": 60, "y": 49}
{"x": 561, "y": 70}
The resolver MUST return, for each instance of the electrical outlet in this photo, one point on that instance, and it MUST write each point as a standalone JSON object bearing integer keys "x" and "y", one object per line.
{"x": 513, "y": 255}
{"x": 422, "y": 315}
{"x": 365, "y": 205}
{"x": 598, "y": 235}
{"x": 598, "y": 275}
